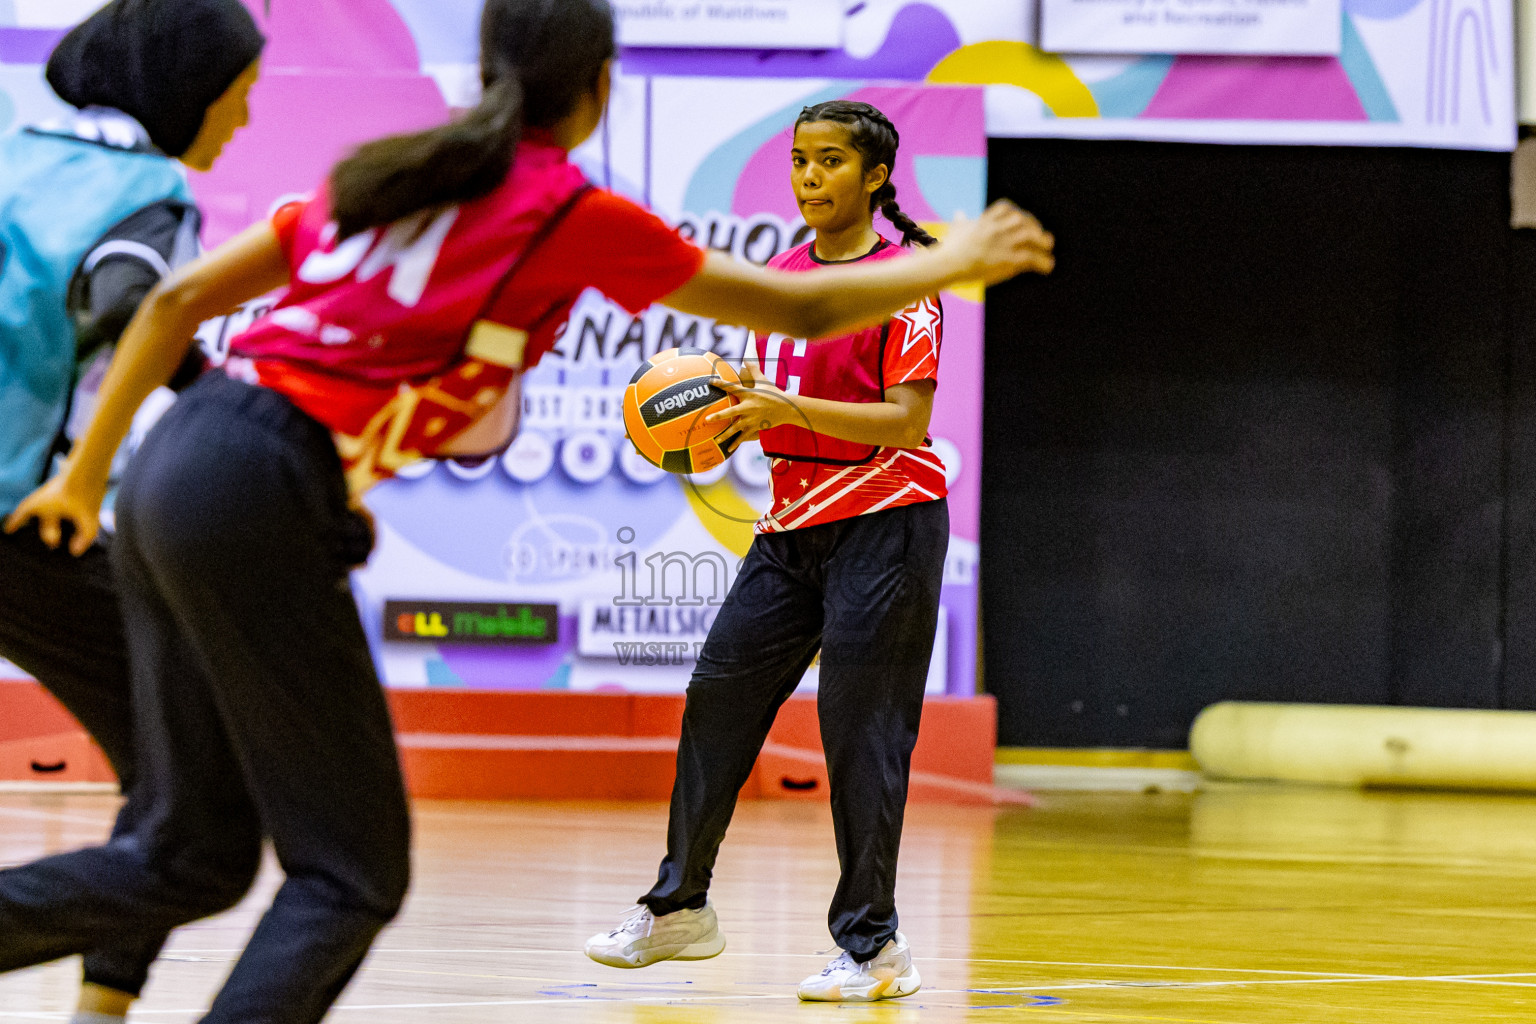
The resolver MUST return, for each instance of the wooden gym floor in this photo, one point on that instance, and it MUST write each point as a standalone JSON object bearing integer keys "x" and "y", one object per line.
{"x": 1238, "y": 905}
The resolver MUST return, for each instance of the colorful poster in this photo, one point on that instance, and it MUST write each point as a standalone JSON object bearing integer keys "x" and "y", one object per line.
{"x": 569, "y": 562}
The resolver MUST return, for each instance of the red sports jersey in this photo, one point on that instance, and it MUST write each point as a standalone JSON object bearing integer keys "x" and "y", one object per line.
{"x": 819, "y": 479}
{"x": 399, "y": 339}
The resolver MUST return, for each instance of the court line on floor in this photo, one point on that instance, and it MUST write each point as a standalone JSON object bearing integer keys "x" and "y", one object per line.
{"x": 1364, "y": 979}
{"x": 513, "y": 951}
{"x": 140, "y": 1011}
{"x": 1148, "y": 967}
{"x": 977, "y": 960}
{"x": 704, "y": 997}
{"x": 544, "y": 951}
{"x": 1289, "y": 977}
{"x": 1472, "y": 912}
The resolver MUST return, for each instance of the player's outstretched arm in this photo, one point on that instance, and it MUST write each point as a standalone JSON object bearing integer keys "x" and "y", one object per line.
{"x": 1003, "y": 242}
{"x": 247, "y": 266}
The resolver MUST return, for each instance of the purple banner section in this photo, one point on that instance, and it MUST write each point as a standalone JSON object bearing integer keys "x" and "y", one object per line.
{"x": 920, "y": 36}
{"x": 28, "y": 45}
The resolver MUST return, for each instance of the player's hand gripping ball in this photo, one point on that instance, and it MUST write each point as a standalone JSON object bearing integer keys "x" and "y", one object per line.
{"x": 666, "y": 405}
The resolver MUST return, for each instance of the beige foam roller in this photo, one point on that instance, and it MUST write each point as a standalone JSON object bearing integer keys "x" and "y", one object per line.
{"x": 1367, "y": 746}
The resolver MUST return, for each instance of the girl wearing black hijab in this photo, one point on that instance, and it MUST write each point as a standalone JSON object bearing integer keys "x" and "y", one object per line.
{"x": 94, "y": 211}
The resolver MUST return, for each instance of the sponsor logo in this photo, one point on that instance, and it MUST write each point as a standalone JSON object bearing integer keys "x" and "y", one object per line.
{"x": 465, "y": 622}
{"x": 681, "y": 400}
{"x": 642, "y": 635}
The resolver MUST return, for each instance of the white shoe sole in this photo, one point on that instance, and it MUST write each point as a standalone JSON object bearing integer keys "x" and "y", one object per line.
{"x": 903, "y": 984}
{"x": 710, "y": 946}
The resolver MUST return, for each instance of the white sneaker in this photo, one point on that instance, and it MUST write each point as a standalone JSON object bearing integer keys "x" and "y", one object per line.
{"x": 643, "y": 938}
{"x": 889, "y": 975}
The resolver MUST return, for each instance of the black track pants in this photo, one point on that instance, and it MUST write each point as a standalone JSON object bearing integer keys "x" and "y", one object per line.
{"x": 865, "y": 592}
{"x": 59, "y": 621}
{"x": 256, "y": 713}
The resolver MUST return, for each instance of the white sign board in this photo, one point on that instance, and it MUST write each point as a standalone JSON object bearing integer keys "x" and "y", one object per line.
{"x": 645, "y": 634}
{"x": 1243, "y": 27}
{"x": 736, "y": 24}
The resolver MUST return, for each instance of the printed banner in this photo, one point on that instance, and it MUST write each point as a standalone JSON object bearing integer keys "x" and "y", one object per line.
{"x": 787, "y": 24}
{"x": 1249, "y": 27}
{"x": 1407, "y": 73}
{"x": 569, "y": 562}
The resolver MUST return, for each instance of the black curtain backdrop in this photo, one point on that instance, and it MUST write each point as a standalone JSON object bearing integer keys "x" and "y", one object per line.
{"x": 1269, "y": 433}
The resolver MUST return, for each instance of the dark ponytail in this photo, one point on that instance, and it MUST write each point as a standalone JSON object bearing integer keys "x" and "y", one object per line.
{"x": 876, "y": 140}
{"x": 538, "y": 58}
{"x": 395, "y": 177}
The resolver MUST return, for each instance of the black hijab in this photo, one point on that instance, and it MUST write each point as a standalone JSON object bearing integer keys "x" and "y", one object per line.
{"x": 162, "y": 62}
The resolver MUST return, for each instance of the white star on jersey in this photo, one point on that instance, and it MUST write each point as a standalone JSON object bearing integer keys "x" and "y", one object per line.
{"x": 922, "y": 322}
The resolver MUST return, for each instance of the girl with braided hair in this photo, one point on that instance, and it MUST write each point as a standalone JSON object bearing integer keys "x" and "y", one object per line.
{"x": 875, "y": 139}
{"x": 849, "y": 561}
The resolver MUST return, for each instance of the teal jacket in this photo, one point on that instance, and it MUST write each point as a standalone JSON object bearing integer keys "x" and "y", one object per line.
{"x": 58, "y": 196}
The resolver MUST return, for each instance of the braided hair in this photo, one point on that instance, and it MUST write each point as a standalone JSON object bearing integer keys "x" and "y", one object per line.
{"x": 875, "y": 139}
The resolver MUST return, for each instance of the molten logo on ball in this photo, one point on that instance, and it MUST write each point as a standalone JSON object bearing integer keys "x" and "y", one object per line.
{"x": 680, "y": 400}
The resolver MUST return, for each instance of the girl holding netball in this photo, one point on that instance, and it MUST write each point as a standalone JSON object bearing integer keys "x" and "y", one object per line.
{"x": 849, "y": 561}
{"x": 428, "y": 275}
